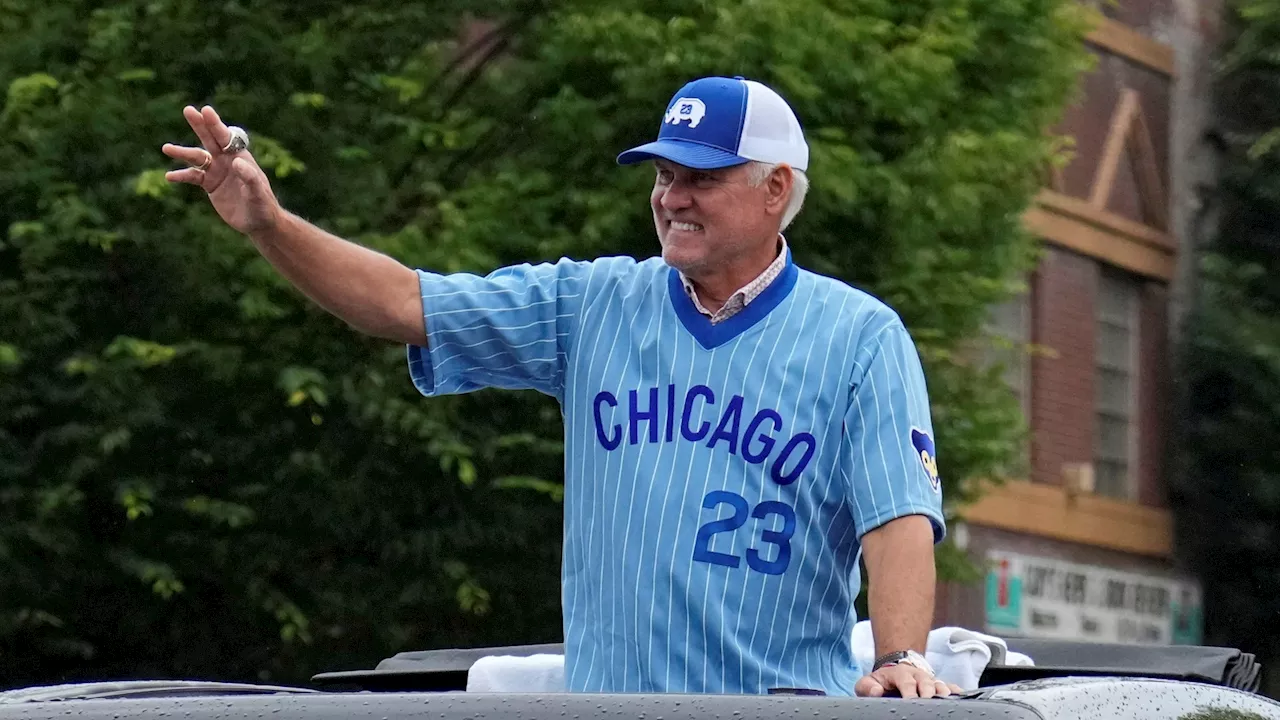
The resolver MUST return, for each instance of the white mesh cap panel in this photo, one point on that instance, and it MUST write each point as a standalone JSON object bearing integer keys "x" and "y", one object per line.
{"x": 771, "y": 132}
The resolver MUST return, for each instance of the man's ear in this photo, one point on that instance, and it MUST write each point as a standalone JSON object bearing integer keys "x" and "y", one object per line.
{"x": 779, "y": 184}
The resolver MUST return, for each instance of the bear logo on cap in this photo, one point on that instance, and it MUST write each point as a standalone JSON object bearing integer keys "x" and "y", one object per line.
{"x": 691, "y": 109}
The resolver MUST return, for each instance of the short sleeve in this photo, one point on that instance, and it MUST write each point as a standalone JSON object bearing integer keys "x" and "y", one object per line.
{"x": 888, "y": 458}
{"x": 509, "y": 329}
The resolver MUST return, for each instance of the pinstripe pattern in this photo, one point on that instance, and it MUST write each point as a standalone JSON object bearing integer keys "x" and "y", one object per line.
{"x": 790, "y": 422}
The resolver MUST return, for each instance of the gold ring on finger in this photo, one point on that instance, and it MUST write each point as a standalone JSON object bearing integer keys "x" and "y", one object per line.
{"x": 208, "y": 160}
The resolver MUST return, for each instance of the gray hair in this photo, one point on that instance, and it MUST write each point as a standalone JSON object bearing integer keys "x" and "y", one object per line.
{"x": 758, "y": 172}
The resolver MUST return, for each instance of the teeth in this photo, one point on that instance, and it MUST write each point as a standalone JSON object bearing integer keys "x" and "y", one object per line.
{"x": 688, "y": 227}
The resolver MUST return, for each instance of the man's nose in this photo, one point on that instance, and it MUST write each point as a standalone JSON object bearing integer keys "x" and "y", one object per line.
{"x": 676, "y": 197}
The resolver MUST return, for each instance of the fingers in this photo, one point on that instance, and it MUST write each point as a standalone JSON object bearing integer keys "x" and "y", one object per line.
{"x": 217, "y": 129}
{"x": 907, "y": 686}
{"x": 200, "y": 127}
{"x": 249, "y": 174}
{"x": 208, "y": 126}
{"x": 213, "y": 135}
{"x": 196, "y": 157}
{"x": 193, "y": 176}
{"x": 897, "y": 677}
{"x": 867, "y": 686}
{"x": 909, "y": 682}
{"x": 926, "y": 686}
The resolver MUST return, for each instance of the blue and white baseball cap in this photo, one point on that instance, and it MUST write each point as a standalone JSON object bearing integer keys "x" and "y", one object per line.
{"x": 717, "y": 122}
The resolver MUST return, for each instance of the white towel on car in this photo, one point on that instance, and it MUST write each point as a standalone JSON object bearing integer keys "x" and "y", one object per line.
{"x": 958, "y": 655}
{"x": 512, "y": 673}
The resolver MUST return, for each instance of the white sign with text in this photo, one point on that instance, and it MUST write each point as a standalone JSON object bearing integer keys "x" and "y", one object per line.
{"x": 1042, "y": 597}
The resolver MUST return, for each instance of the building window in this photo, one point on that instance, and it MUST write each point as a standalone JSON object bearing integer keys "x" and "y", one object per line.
{"x": 1010, "y": 324}
{"x": 1115, "y": 388}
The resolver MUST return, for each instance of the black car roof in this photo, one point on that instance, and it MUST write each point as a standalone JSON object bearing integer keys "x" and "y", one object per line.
{"x": 447, "y": 669}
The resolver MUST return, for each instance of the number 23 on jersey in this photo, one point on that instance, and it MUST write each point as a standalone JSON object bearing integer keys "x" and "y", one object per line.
{"x": 767, "y": 539}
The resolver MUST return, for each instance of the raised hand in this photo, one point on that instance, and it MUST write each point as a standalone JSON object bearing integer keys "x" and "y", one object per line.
{"x": 237, "y": 187}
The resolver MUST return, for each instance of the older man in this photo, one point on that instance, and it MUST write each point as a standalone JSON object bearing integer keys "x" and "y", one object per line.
{"x": 739, "y": 431}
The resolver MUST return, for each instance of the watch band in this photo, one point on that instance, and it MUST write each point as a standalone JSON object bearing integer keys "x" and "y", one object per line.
{"x": 904, "y": 657}
{"x": 889, "y": 659}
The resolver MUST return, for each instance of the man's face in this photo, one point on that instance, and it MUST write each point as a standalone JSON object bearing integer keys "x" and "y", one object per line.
{"x": 706, "y": 218}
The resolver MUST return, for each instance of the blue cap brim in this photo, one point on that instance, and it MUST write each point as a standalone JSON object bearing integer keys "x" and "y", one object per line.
{"x": 689, "y": 154}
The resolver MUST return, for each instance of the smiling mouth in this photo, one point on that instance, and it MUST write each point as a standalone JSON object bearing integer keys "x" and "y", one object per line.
{"x": 685, "y": 226}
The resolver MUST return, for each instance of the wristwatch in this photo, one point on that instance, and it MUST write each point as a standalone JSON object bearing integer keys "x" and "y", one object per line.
{"x": 903, "y": 657}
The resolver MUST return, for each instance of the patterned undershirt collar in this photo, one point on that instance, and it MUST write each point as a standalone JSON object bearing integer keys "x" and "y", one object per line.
{"x": 746, "y": 293}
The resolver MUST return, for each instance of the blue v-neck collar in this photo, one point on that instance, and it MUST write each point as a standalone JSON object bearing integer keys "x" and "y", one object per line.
{"x": 711, "y": 336}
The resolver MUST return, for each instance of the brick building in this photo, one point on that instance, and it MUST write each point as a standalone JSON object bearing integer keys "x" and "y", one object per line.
{"x": 1082, "y": 548}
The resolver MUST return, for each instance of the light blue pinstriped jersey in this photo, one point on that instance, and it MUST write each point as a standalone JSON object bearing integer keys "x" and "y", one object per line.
{"x": 717, "y": 477}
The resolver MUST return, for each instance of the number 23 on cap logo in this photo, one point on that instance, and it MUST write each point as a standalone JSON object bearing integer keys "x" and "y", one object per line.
{"x": 928, "y": 455}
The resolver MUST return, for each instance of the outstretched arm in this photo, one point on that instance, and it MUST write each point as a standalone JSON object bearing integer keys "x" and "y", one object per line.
{"x": 369, "y": 291}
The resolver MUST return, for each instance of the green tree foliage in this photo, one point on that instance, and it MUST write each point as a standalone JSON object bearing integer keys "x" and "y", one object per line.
{"x": 1227, "y": 495}
{"x": 201, "y": 474}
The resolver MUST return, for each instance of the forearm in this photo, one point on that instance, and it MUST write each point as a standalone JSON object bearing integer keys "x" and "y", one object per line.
{"x": 901, "y": 580}
{"x": 371, "y": 292}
